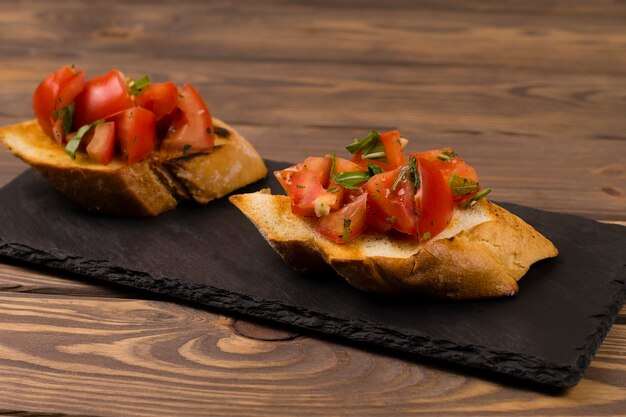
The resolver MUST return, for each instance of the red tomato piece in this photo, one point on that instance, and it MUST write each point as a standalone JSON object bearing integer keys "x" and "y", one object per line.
{"x": 364, "y": 162}
{"x": 136, "y": 133}
{"x": 346, "y": 223}
{"x": 103, "y": 96}
{"x": 102, "y": 146}
{"x": 307, "y": 187}
{"x": 192, "y": 130}
{"x": 433, "y": 200}
{"x": 393, "y": 149}
{"x": 397, "y": 206}
{"x": 160, "y": 98}
{"x": 55, "y": 92}
{"x": 454, "y": 165}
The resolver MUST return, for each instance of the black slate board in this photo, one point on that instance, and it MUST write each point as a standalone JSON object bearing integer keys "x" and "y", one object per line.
{"x": 213, "y": 255}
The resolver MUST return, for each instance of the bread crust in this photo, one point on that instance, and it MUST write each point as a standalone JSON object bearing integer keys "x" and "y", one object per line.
{"x": 146, "y": 188}
{"x": 483, "y": 255}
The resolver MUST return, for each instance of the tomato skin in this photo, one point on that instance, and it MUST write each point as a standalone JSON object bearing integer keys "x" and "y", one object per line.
{"x": 56, "y": 91}
{"x": 434, "y": 201}
{"x": 455, "y": 165}
{"x": 307, "y": 186}
{"x": 102, "y": 146}
{"x": 393, "y": 149}
{"x": 136, "y": 133}
{"x": 160, "y": 98}
{"x": 332, "y": 225}
{"x": 103, "y": 96}
{"x": 192, "y": 130}
{"x": 397, "y": 206}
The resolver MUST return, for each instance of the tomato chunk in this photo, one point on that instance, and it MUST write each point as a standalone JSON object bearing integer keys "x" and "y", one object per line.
{"x": 433, "y": 200}
{"x": 136, "y": 133}
{"x": 453, "y": 165}
{"x": 56, "y": 91}
{"x": 393, "y": 149}
{"x": 160, "y": 98}
{"x": 102, "y": 146}
{"x": 103, "y": 96}
{"x": 393, "y": 204}
{"x": 346, "y": 223}
{"x": 192, "y": 130}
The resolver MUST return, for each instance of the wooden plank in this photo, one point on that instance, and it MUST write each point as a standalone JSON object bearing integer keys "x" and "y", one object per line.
{"x": 115, "y": 357}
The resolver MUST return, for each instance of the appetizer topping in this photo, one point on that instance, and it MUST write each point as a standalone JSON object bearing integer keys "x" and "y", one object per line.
{"x": 379, "y": 191}
{"x": 111, "y": 116}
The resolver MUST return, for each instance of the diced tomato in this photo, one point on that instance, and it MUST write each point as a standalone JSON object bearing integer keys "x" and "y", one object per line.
{"x": 102, "y": 146}
{"x": 357, "y": 158}
{"x": 344, "y": 165}
{"x": 160, "y": 98}
{"x": 346, "y": 223}
{"x": 103, "y": 96}
{"x": 448, "y": 167}
{"x": 397, "y": 206}
{"x": 192, "y": 131}
{"x": 393, "y": 149}
{"x": 55, "y": 92}
{"x": 136, "y": 133}
{"x": 433, "y": 200}
{"x": 58, "y": 132}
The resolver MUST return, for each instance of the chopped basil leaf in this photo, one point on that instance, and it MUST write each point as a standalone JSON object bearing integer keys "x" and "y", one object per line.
{"x": 447, "y": 155}
{"x": 72, "y": 145}
{"x": 333, "y": 190}
{"x": 138, "y": 85}
{"x": 374, "y": 169}
{"x": 414, "y": 173}
{"x": 370, "y": 146}
{"x": 333, "y": 162}
{"x": 346, "y": 229}
{"x": 186, "y": 148}
{"x": 391, "y": 219}
{"x": 350, "y": 180}
{"x": 66, "y": 114}
{"x": 471, "y": 202}
{"x": 461, "y": 185}
{"x": 410, "y": 173}
{"x": 300, "y": 186}
{"x": 426, "y": 236}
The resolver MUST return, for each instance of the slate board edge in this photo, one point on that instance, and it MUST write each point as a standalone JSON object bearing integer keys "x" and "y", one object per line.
{"x": 525, "y": 367}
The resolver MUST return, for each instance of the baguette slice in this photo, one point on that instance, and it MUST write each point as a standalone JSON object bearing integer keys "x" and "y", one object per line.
{"x": 482, "y": 254}
{"x": 146, "y": 188}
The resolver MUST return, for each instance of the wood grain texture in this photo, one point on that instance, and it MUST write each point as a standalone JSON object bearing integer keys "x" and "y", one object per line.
{"x": 134, "y": 357}
{"x": 532, "y": 93}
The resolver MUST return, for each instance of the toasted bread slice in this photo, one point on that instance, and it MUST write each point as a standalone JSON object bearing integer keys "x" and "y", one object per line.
{"x": 146, "y": 188}
{"x": 482, "y": 254}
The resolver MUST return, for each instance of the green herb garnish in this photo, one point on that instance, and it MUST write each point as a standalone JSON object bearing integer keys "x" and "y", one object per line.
{"x": 410, "y": 173}
{"x": 333, "y": 190}
{"x": 72, "y": 145}
{"x": 186, "y": 148}
{"x": 471, "y": 202}
{"x": 374, "y": 169}
{"x": 350, "y": 180}
{"x": 461, "y": 185}
{"x": 426, "y": 236}
{"x": 370, "y": 146}
{"x": 333, "y": 162}
{"x": 66, "y": 114}
{"x": 346, "y": 229}
{"x": 391, "y": 219}
{"x": 300, "y": 186}
{"x": 447, "y": 155}
{"x": 138, "y": 85}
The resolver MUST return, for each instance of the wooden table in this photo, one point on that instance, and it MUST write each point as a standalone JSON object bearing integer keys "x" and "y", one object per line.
{"x": 532, "y": 93}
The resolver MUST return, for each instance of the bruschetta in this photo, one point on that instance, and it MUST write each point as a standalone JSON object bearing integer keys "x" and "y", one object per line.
{"x": 136, "y": 148}
{"x": 393, "y": 224}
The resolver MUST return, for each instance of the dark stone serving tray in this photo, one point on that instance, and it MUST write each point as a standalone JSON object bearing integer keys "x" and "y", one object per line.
{"x": 213, "y": 255}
